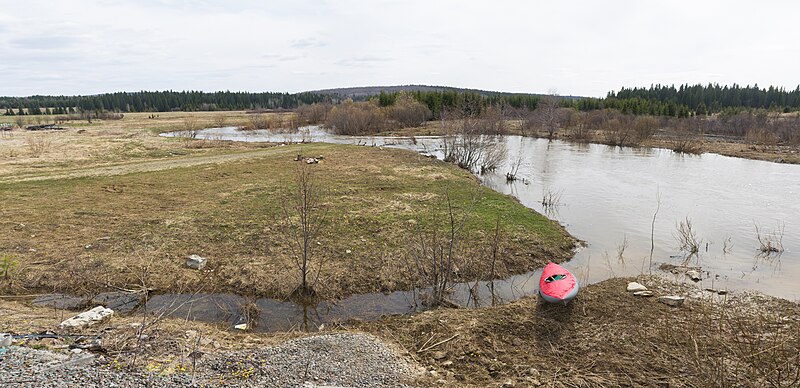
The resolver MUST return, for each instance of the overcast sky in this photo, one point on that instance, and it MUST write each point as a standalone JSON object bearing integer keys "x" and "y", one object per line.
{"x": 575, "y": 47}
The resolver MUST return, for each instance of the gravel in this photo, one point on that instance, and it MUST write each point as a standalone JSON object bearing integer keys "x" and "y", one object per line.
{"x": 339, "y": 359}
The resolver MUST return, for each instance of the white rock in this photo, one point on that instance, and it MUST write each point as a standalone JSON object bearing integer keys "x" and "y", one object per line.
{"x": 672, "y": 300}
{"x": 643, "y": 293}
{"x": 87, "y": 318}
{"x": 5, "y": 340}
{"x": 694, "y": 275}
{"x": 241, "y": 326}
{"x": 634, "y": 287}
{"x": 196, "y": 262}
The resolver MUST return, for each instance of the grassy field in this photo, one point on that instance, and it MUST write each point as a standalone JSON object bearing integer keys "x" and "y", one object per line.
{"x": 88, "y": 233}
{"x": 134, "y": 138}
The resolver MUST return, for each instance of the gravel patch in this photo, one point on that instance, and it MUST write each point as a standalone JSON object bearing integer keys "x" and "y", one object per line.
{"x": 340, "y": 359}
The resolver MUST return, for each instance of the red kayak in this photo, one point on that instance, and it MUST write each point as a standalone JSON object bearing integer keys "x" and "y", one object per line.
{"x": 557, "y": 285}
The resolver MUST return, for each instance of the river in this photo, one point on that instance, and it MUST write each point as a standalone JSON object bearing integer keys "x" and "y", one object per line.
{"x": 607, "y": 197}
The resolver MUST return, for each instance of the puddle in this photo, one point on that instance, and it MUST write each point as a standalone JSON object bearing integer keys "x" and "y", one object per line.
{"x": 277, "y": 315}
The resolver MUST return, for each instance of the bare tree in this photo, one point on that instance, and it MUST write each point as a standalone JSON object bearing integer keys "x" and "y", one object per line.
{"x": 434, "y": 249}
{"x": 190, "y": 127}
{"x": 220, "y": 120}
{"x": 20, "y": 121}
{"x": 469, "y": 143}
{"x": 304, "y": 216}
{"x": 549, "y": 115}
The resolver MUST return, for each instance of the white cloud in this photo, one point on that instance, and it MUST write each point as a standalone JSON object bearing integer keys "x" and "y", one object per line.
{"x": 579, "y": 48}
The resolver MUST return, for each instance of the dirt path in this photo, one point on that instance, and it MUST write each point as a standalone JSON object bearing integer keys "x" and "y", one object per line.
{"x": 136, "y": 166}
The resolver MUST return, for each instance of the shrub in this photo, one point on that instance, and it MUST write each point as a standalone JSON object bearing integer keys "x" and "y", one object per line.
{"x": 356, "y": 118}
{"x": 409, "y": 112}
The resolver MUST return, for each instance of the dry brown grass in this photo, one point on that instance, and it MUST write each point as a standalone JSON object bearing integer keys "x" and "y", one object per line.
{"x": 607, "y": 337}
{"x": 107, "y": 142}
{"x": 82, "y": 234}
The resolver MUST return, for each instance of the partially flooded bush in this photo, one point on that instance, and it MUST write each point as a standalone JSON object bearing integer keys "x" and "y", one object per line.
{"x": 312, "y": 113}
{"x": 644, "y": 127}
{"x": 258, "y": 121}
{"x": 356, "y": 118}
{"x": 471, "y": 144}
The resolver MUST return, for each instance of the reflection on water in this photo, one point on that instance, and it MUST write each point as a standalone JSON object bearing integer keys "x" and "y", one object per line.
{"x": 608, "y": 196}
{"x": 277, "y": 315}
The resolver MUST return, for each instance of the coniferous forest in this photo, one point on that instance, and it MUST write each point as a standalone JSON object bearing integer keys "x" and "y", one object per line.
{"x": 656, "y": 100}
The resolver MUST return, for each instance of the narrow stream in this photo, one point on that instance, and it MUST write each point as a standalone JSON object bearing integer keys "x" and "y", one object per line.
{"x": 607, "y": 198}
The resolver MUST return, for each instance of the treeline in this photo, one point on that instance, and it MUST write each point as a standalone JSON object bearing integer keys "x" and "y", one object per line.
{"x": 156, "y": 102}
{"x": 657, "y": 100}
{"x": 439, "y": 102}
{"x": 713, "y": 98}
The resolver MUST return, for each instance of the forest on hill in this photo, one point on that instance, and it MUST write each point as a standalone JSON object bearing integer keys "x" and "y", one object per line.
{"x": 656, "y": 100}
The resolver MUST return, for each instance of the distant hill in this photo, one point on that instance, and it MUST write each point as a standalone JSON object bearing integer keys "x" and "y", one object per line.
{"x": 365, "y": 91}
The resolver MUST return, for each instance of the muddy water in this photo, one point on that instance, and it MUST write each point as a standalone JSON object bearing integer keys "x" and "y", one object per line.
{"x": 608, "y": 196}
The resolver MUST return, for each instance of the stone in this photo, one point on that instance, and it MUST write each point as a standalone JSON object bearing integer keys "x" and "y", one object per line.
{"x": 645, "y": 293}
{"x": 312, "y": 161}
{"x": 121, "y": 302}
{"x": 634, "y": 287}
{"x": 672, "y": 300}
{"x": 61, "y": 301}
{"x": 196, "y": 262}
{"x": 241, "y": 326}
{"x": 5, "y": 340}
{"x": 447, "y": 363}
{"x": 87, "y": 318}
{"x": 439, "y": 355}
{"x": 694, "y": 275}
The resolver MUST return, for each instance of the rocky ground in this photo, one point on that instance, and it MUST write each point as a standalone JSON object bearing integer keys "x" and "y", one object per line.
{"x": 338, "y": 359}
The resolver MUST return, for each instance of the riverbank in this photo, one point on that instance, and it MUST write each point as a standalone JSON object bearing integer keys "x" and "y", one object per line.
{"x": 607, "y": 337}
{"x": 667, "y": 139}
